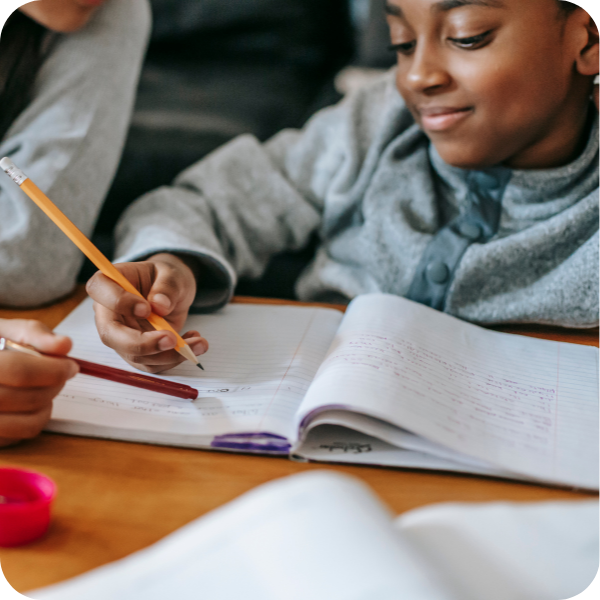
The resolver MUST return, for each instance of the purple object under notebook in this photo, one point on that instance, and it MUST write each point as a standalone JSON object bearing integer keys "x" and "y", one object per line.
{"x": 263, "y": 442}
{"x": 253, "y": 442}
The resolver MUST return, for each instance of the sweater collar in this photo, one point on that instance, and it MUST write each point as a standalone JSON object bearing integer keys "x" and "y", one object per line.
{"x": 554, "y": 182}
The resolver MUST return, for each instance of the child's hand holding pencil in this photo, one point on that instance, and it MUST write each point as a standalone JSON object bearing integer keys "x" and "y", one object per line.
{"x": 171, "y": 300}
{"x": 169, "y": 285}
{"x": 28, "y": 384}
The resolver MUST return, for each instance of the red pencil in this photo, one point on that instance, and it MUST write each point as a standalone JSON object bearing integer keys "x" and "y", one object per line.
{"x": 146, "y": 382}
{"x": 139, "y": 380}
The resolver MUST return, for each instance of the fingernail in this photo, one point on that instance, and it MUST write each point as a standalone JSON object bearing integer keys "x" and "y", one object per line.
{"x": 74, "y": 369}
{"x": 199, "y": 348}
{"x": 140, "y": 310}
{"x": 162, "y": 300}
{"x": 166, "y": 343}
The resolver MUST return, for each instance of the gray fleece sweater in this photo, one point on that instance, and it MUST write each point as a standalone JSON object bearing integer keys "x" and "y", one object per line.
{"x": 69, "y": 141}
{"x": 493, "y": 246}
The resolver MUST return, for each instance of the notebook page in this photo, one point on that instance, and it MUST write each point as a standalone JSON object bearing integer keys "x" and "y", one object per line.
{"x": 259, "y": 365}
{"x": 526, "y": 405}
{"x": 317, "y": 536}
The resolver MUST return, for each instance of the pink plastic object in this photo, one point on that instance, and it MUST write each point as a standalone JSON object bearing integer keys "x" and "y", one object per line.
{"x": 25, "y": 500}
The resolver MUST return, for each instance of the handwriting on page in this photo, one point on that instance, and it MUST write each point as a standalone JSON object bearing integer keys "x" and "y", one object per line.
{"x": 259, "y": 366}
{"x": 347, "y": 447}
{"x": 205, "y": 408}
{"x": 512, "y": 411}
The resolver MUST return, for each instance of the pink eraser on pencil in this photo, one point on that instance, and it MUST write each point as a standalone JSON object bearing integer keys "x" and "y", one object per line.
{"x": 25, "y": 502}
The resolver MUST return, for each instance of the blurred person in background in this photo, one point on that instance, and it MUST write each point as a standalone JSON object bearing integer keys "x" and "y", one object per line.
{"x": 68, "y": 75}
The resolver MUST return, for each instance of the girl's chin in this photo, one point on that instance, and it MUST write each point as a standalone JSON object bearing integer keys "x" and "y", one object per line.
{"x": 462, "y": 156}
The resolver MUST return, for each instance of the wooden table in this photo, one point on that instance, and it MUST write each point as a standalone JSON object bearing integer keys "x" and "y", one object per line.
{"x": 116, "y": 497}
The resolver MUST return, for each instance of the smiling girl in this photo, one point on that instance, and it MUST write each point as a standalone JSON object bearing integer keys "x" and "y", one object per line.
{"x": 466, "y": 179}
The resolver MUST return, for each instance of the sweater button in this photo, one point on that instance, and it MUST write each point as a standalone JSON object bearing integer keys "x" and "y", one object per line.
{"x": 471, "y": 231}
{"x": 437, "y": 272}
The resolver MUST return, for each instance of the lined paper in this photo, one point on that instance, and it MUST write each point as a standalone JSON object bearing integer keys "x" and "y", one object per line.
{"x": 526, "y": 405}
{"x": 521, "y": 405}
{"x": 260, "y": 363}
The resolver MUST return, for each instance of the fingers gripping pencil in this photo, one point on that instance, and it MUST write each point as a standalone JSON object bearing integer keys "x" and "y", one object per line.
{"x": 81, "y": 241}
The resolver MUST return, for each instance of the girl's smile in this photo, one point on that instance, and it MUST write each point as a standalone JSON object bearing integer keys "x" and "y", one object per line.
{"x": 442, "y": 118}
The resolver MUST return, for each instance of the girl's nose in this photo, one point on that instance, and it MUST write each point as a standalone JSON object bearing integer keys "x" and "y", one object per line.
{"x": 426, "y": 73}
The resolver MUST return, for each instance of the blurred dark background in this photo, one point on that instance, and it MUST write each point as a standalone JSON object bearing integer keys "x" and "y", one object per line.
{"x": 219, "y": 68}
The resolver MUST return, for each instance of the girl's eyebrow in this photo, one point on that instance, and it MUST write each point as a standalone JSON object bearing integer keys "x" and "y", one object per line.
{"x": 445, "y": 6}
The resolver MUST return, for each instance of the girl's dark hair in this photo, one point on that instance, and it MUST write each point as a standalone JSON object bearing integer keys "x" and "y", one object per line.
{"x": 21, "y": 55}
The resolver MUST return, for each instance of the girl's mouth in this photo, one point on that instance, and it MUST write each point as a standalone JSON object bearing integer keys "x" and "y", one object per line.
{"x": 441, "y": 118}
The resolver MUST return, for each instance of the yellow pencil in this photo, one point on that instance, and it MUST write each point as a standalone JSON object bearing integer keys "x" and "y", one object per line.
{"x": 79, "y": 239}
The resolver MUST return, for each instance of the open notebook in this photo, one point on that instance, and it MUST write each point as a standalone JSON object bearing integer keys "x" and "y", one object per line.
{"x": 325, "y": 536}
{"x": 391, "y": 383}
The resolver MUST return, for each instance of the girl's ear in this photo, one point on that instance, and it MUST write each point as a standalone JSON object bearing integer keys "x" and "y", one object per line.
{"x": 588, "y": 56}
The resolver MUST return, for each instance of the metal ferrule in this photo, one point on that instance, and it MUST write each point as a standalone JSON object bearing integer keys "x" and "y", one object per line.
{"x": 6, "y": 344}
{"x": 14, "y": 173}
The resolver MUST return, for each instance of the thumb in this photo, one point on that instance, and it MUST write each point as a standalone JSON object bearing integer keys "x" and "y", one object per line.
{"x": 166, "y": 291}
{"x": 36, "y": 334}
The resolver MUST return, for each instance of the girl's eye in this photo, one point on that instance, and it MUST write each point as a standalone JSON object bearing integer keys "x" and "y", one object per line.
{"x": 405, "y": 48}
{"x": 472, "y": 43}
{"x": 469, "y": 43}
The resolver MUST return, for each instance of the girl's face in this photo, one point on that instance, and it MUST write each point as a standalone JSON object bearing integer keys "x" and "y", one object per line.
{"x": 495, "y": 81}
{"x": 62, "y": 16}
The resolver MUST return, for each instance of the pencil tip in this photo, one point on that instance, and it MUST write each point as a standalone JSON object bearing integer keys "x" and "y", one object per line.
{"x": 200, "y": 366}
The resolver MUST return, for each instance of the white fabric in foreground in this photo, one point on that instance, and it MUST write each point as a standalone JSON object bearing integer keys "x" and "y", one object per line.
{"x": 325, "y": 536}
{"x": 507, "y": 551}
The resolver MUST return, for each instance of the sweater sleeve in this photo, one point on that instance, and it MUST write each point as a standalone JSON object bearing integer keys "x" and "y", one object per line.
{"x": 69, "y": 141}
{"x": 247, "y": 201}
